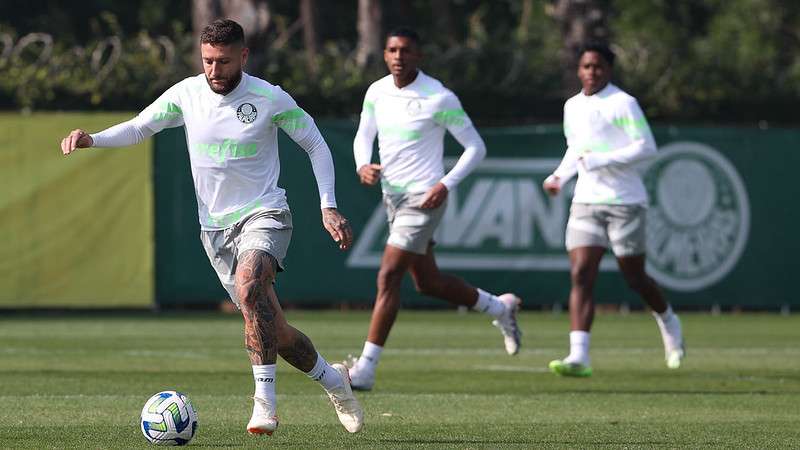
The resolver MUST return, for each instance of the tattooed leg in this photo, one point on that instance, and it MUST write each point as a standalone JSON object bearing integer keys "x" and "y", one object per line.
{"x": 293, "y": 346}
{"x": 297, "y": 349}
{"x": 267, "y": 333}
{"x": 254, "y": 276}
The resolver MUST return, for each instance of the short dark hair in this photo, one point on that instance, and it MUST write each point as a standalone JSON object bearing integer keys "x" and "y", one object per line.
{"x": 222, "y": 32}
{"x": 599, "y": 47}
{"x": 405, "y": 32}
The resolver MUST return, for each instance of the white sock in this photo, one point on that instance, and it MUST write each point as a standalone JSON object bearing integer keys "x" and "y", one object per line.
{"x": 264, "y": 376}
{"x": 324, "y": 374}
{"x": 489, "y": 304}
{"x": 670, "y": 327}
{"x": 369, "y": 357}
{"x": 578, "y": 347}
{"x": 666, "y": 316}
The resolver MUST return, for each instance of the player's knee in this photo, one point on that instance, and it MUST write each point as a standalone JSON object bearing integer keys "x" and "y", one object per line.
{"x": 247, "y": 292}
{"x": 389, "y": 277}
{"x": 583, "y": 275}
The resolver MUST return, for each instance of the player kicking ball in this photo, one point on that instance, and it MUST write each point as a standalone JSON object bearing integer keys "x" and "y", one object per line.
{"x": 231, "y": 121}
{"x": 607, "y": 134}
{"x": 409, "y": 112}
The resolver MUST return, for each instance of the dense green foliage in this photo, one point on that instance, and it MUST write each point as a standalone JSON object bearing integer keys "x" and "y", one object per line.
{"x": 708, "y": 60}
{"x": 444, "y": 382}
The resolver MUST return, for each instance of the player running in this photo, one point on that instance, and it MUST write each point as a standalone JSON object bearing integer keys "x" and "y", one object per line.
{"x": 231, "y": 121}
{"x": 409, "y": 112}
{"x": 607, "y": 134}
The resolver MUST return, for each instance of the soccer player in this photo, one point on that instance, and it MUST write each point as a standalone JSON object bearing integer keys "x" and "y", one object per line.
{"x": 231, "y": 120}
{"x": 410, "y": 111}
{"x": 607, "y": 134}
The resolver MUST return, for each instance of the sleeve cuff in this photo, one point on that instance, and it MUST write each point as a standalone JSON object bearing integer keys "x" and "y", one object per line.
{"x": 592, "y": 161}
{"x": 449, "y": 184}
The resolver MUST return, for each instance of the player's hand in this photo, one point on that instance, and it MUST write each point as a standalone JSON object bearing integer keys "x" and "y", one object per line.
{"x": 338, "y": 227}
{"x": 435, "y": 196}
{"x": 551, "y": 185}
{"x": 369, "y": 173}
{"x": 76, "y": 139}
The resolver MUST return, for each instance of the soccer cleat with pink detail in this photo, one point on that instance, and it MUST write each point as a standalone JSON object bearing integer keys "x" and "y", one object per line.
{"x": 264, "y": 420}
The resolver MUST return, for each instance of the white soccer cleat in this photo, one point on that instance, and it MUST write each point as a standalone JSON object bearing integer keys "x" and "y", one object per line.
{"x": 347, "y": 407}
{"x": 264, "y": 420}
{"x": 360, "y": 379}
{"x": 508, "y": 323}
{"x": 674, "y": 347}
{"x": 674, "y": 358}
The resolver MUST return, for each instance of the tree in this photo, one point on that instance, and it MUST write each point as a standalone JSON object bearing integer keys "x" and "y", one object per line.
{"x": 580, "y": 20}
{"x": 253, "y": 15}
{"x": 308, "y": 18}
{"x": 369, "y": 45}
{"x": 443, "y": 19}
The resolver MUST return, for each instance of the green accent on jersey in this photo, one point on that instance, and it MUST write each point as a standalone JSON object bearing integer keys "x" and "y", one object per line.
{"x": 228, "y": 149}
{"x": 396, "y": 188}
{"x": 567, "y": 130}
{"x": 262, "y": 92}
{"x": 398, "y": 132}
{"x": 226, "y": 220}
{"x": 632, "y": 127}
{"x": 611, "y": 200}
{"x": 450, "y": 117}
{"x": 427, "y": 90}
{"x": 169, "y": 111}
{"x": 290, "y": 121}
{"x": 369, "y": 107}
{"x": 597, "y": 147}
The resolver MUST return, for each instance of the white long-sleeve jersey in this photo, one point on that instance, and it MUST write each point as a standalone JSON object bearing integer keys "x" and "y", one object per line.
{"x": 410, "y": 123}
{"x": 607, "y": 135}
{"x": 233, "y": 144}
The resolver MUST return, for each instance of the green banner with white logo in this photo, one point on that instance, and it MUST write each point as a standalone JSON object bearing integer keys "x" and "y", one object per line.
{"x": 719, "y": 223}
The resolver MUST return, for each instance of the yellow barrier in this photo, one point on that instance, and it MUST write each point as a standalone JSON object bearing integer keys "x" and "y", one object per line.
{"x": 78, "y": 230}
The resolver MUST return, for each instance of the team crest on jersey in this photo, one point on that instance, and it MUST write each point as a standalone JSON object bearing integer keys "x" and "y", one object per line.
{"x": 413, "y": 107}
{"x": 246, "y": 113}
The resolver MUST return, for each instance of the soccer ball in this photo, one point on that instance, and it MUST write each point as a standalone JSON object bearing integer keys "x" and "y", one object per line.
{"x": 168, "y": 418}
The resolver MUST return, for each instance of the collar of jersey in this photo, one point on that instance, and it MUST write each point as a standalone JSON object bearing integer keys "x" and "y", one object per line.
{"x": 602, "y": 93}
{"x": 413, "y": 87}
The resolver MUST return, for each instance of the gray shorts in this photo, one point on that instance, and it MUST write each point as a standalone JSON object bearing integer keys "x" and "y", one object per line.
{"x": 623, "y": 226}
{"x": 268, "y": 230}
{"x": 411, "y": 228}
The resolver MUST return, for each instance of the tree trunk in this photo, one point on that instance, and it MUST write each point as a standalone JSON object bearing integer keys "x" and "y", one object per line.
{"x": 252, "y": 15}
{"x": 308, "y": 17}
{"x": 581, "y": 20}
{"x": 369, "y": 32}
{"x": 524, "y": 27}
{"x": 444, "y": 21}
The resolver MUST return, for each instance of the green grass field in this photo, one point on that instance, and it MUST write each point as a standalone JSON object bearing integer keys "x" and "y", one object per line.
{"x": 444, "y": 382}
